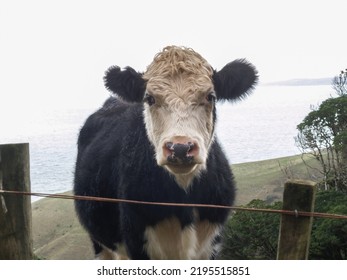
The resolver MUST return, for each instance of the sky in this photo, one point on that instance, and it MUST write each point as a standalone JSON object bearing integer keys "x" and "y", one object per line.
{"x": 55, "y": 53}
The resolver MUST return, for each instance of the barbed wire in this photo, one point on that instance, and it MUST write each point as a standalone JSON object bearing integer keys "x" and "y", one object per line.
{"x": 294, "y": 212}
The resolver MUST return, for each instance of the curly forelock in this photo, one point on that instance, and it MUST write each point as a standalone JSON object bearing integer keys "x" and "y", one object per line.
{"x": 174, "y": 61}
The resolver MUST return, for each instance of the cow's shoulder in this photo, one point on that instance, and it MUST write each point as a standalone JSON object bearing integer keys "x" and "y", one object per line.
{"x": 114, "y": 117}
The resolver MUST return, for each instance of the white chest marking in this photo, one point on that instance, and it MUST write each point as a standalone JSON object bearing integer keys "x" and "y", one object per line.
{"x": 167, "y": 240}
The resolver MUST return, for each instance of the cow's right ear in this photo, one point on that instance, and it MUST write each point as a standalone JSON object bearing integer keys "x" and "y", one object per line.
{"x": 126, "y": 83}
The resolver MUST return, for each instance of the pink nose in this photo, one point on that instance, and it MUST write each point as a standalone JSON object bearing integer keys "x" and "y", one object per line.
{"x": 180, "y": 151}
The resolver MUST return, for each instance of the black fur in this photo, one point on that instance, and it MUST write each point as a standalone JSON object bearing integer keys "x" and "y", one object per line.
{"x": 235, "y": 80}
{"x": 115, "y": 159}
{"x": 126, "y": 83}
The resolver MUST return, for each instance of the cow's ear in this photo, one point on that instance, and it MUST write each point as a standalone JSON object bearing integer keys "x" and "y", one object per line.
{"x": 126, "y": 83}
{"x": 235, "y": 80}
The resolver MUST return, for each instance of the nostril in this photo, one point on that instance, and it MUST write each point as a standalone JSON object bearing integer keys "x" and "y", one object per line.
{"x": 169, "y": 145}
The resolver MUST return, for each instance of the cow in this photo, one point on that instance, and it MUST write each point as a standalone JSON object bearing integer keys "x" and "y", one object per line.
{"x": 154, "y": 140}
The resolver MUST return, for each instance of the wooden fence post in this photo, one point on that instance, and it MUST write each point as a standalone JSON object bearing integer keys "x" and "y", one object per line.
{"x": 295, "y": 231}
{"x": 15, "y": 211}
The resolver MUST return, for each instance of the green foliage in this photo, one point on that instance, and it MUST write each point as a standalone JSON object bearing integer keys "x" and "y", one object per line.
{"x": 329, "y": 236}
{"x": 322, "y": 125}
{"x": 323, "y": 134}
{"x": 254, "y": 235}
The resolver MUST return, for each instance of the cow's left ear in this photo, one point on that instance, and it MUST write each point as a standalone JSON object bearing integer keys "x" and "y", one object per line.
{"x": 126, "y": 83}
{"x": 235, "y": 80}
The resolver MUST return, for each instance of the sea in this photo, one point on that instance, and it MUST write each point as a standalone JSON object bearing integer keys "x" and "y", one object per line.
{"x": 260, "y": 127}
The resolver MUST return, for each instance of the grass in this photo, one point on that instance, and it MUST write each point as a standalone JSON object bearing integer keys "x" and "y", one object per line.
{"x": 265, "y": 179}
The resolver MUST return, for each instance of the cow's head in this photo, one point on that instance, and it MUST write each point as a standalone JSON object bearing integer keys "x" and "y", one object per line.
{"x": 179, "y": 90}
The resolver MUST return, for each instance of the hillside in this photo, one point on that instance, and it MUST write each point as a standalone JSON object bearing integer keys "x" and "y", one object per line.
{"x": 58, "y": 235}
{"x": 265, "y": 179}
{"x": 303, "y": 82}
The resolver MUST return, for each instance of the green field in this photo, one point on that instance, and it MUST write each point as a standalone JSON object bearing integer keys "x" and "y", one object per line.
{"x": 265, "y": 179}
{"x": 57, "y": 233}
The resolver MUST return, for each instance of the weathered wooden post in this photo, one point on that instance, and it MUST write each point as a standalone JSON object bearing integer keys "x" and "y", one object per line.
{"x": 15, "y": 211}
{"x": 295, "y": 231}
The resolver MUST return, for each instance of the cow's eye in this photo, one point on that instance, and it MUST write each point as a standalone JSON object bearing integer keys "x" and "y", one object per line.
{"x": 149, "y": 99}
{"x": 211, "y": 97}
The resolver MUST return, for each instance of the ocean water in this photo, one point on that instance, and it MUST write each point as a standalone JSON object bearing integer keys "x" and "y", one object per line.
{"x": 262, "y": 126}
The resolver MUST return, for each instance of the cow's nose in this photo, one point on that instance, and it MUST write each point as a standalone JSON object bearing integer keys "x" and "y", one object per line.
{"x": 180, "y": 152}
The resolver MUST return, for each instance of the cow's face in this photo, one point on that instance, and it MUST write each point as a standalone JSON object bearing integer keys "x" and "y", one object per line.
{"x": 179, "y": 91}
{"x": 179, "y": 109}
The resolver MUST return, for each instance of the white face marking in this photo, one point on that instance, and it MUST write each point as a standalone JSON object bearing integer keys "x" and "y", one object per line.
{"x": 179, "y": 107}
{"x": 174, "y": 119}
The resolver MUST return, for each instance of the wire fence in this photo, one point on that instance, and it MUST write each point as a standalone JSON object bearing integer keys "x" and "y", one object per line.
{"x": 15, "y": 214}
{"x": 172, "y": 204}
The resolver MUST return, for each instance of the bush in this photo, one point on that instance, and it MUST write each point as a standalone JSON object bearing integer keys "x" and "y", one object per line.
{"x": 329, "y": 236}
{"x": 254, "y": 235}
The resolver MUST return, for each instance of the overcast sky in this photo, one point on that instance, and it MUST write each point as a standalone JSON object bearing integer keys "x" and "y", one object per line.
{"x": 56, "y": 52}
